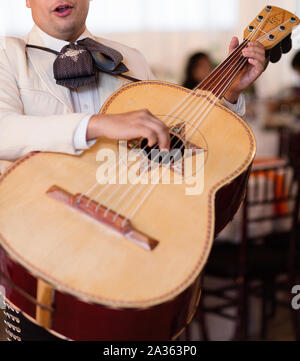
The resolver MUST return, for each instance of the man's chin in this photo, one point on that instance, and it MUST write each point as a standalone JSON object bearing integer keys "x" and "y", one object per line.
{"x": 66, "y": 31}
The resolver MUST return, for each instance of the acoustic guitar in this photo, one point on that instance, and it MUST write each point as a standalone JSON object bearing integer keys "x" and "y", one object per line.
{"x": 89, "y": 259}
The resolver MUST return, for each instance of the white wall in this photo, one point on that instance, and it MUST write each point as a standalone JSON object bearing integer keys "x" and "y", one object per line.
{"x": 167, "y": 52}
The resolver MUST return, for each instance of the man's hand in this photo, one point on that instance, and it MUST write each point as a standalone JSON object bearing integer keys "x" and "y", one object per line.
{"x": 133, "y": 125}
{"x": 255, "y": 52}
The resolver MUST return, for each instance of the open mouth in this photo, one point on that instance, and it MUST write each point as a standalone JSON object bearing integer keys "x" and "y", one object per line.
{"x": 63, "y": 10}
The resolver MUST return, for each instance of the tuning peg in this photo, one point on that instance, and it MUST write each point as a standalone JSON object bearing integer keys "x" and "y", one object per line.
{"x": 274, "y": 55}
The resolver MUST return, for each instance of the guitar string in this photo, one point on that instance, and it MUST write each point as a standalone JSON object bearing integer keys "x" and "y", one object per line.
{"x": 210, "y": 106}
{"x": 113, "y": 193}
{"x": 134, "y": 212}
{"x": 197, "y": 88}
{"x": 139, "y": 191}
{"x": 186, "y": 104}
{"x": 195, "y": 110}
{"x": 191, "y": 117}
{"x": 252, "y": 34}
{"x": 163, "y": 171}
{"x": 261, "y": 38}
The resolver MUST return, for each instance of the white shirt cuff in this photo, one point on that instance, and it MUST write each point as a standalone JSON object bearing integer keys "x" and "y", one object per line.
{"x": 79, "y": 141}
{"x": 239, "y": 108}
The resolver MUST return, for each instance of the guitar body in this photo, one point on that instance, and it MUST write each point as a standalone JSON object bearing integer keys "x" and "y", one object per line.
{"x": 82, "y": 280}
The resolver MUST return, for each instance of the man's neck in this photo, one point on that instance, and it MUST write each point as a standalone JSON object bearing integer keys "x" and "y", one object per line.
{"x": 72, "y": 38}
{"x": 55, "y": 43}
{"x": 65, "y": 37}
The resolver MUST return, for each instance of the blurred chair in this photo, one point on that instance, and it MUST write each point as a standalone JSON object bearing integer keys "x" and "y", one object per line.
{"x": 289, "y": 146}
{"x": 267, "y": 249}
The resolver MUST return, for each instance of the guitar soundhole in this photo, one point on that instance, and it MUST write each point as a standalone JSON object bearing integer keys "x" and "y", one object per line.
{"x": 177, "y": 148}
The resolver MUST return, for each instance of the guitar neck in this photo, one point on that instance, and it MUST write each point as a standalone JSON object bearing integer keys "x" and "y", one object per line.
{"x": 223, "y": 76}
{"x": 270, "y": 28}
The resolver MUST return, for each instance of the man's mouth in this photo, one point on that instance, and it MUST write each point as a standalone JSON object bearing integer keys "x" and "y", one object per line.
{"x": 63, "y": 10}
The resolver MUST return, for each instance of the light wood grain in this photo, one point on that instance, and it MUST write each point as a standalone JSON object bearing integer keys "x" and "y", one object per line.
{"x": 44, "y": 297}
{"x": 77, "y": 254}
{"x": 270, "y": 25}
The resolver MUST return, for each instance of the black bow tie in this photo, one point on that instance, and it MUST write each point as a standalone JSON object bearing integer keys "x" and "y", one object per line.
{"x": 76, "y": 65}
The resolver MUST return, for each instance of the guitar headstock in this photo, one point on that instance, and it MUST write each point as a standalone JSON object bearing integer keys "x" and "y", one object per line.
{"x": 271, "y": 26}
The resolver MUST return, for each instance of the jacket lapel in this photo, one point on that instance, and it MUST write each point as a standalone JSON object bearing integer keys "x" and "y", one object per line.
{"x": 107, "y": 84}
{"x": 42, "y": 62}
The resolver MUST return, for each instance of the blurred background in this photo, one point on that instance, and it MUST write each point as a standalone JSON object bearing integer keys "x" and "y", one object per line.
{"x": 168, "y": 31}
{"x": 252, "y": 268}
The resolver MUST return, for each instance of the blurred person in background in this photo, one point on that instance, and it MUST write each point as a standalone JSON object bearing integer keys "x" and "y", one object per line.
{"x": 198, "y": 67}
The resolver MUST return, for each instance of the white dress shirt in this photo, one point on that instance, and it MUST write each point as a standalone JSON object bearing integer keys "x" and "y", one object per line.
{"x": 86, "y": 99}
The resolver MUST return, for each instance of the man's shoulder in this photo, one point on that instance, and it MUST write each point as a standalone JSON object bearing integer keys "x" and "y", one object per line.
{"x": 12, "y": 46}
{"x": 13, "y": 41}
{"x": 12, "y": 53}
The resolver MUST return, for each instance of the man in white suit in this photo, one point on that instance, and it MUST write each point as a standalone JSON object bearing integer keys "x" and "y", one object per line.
{"x": 36, "y": 114}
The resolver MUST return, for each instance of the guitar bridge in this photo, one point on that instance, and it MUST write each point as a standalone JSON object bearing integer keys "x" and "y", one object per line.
{"x": 101, "y": 214}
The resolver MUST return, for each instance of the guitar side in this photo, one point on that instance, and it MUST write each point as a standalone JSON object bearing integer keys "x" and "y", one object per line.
{"x": 84, "y": 261}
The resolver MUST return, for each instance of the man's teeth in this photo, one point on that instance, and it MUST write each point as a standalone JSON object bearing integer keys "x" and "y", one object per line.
{"x": 62, "y": 8}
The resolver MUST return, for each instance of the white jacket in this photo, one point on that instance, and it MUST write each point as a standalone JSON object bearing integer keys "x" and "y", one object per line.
{"x": 36, "y": 114}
